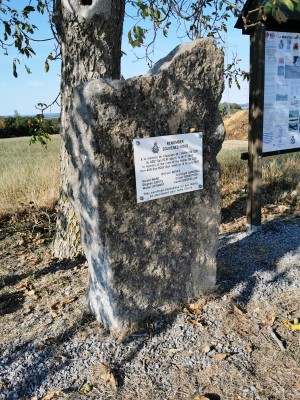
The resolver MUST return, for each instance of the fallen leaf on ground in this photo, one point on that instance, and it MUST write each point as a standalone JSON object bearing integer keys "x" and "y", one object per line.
{"x": 33, "y": 260}
{"x": 291, "y": 325}
{"x": 271, "y": 320}
{"x": 197, "y": 307}
{"x": 53, "y": 395}
{"x": 49, "y": 341}
{"x": 68, "y": 300}
{"x": 102, "y": 373}
{"x": 193, "y": 321}
{"x": 206, "y": 349}
{"x": 86, "y": 388}
{"x": 220, "y": 356}
{"x": 175, "y": 350}
{"x": 47, "y": 258}
{"x": 24, "y": 285}
{"x": 30, "y": 292}
{"x": 238, "y": 311}
{"x": 54, "y": 314}
{"x": 28, "y": 309}
{"x": 61, "y": 303}
{"x": 55, "y": 306}
{"x": 242, "y": 331}
{"x": 39, "y": 241}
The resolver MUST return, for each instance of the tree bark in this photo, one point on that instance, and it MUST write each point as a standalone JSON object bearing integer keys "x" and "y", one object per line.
{"x": 66, "y": 243}
{"x": 90, "y": 40}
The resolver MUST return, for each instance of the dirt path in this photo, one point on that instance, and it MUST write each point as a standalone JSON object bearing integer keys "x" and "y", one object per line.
{"x": 232, "y": 345}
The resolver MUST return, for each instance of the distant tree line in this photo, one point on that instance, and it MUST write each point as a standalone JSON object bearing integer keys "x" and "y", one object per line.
{"x": 229, "y": 108}
{"x": 18, "y": 126}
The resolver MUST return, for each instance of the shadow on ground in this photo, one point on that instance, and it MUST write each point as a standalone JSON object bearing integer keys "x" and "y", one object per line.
{"x": 243, "y": 259}
{"x": 35, "y": 373}
{"x": 51, "y": 268}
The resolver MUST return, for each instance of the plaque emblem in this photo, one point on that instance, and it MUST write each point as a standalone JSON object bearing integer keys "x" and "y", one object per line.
{"x": 293, "y": 141}
{"x": 155, "y": 148}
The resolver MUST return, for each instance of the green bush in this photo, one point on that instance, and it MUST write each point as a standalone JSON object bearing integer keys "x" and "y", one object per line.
{"x": 18, "y": 126}
{"x": 229, "y": 108}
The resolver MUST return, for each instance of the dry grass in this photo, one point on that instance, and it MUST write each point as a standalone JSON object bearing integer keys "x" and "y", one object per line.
{"x": 28, "y": 174}
{"x": 31, "y": 174}
{"x": 233, "y": 169}
{"x": 280, "y": 175}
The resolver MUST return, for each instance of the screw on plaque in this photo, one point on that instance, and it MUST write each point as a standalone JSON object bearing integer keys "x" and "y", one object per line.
{"x": 141, "y": 198}
{"x": 200, "y": 186}
{"x": 137, "y": 143}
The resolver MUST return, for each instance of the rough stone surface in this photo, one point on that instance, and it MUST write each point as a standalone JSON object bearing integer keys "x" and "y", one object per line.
{"x": 151, "y": 257}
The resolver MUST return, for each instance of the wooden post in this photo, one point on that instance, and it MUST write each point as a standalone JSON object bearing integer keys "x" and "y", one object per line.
{"x": 256, "y": 106}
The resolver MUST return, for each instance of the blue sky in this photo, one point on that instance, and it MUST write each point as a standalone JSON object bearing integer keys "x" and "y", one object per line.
{"x": 24, "y": 92}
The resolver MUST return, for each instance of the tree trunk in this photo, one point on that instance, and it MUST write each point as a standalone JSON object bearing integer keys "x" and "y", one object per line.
{"x": 90, "y": 40}
{"x": 66, "y": 243}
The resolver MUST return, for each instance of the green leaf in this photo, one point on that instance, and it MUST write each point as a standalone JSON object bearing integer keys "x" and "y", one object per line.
{"x": 15, "y": 61}
{"x": 7, "y": 28}
{"x": 29, "y": 9}
{"x": 27, "y": 70}
{"x": 289, "y": 4}
{"x": 134, "y": 43}
{"x": 46, "y": 66}
{"x": 139, "y": 35}
{"x": 267, "y": 8}
{"x": 158, "y": 16}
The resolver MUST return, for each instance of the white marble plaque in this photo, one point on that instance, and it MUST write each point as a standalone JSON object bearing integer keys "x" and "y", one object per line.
{"x": 168, "y": 165}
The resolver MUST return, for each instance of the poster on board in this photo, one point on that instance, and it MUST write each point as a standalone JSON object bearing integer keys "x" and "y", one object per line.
{"x": 281, "y": 121}
{"x": 168, "y": 165}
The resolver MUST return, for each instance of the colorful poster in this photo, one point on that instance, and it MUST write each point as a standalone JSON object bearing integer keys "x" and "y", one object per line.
{"x": 281, "y": 127}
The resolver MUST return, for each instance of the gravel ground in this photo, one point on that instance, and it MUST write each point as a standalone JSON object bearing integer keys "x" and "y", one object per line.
{"x": 220, "y": 347}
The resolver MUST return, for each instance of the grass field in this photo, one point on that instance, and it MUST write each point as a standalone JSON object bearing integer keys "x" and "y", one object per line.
{"x": 280, "y": 175}
{"x": 28, "y": 174}
{"x": 31, "y": 174}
